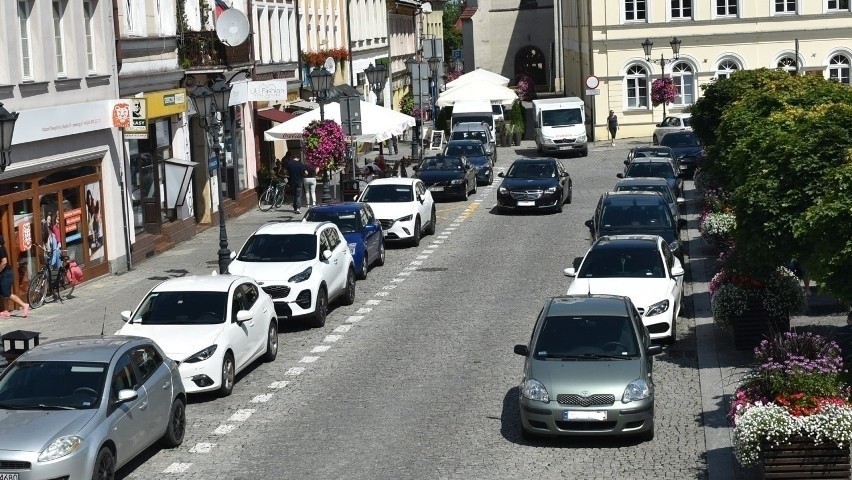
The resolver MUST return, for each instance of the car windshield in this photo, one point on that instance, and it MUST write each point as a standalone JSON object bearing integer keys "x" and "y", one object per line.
{"x": 347, "y": 222}
{"x": 532, "y": 170}
{"x": 497, "y": 109}
{"x": 636, "y": 216}
{"x": 650, "y": 169}
{"x": 279, "y": 248}
{"x": 467, "y": 118}
{"x": 561, "y": 118}
{"x": 639, "y": 262}
{"x": 680, "y": 140}
{"x": 470, "y": 135}
{"x": 687, "y": 122}
{"x": 441, "y": 163}
{"x": 57, "y": 385}
{"x": 388, "y": 194}
{"x": 589, "y": 335}
{"x": 182, "y": 308}
{"x": 469, "y": 149}
{"x": 652, "y": 154}
{"x": 661, "y": 189}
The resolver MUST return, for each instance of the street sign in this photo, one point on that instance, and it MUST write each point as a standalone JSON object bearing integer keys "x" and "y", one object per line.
{"x": 592, "y": 82}
{"x": 138, "y": 128}
{"x": 350, "y": 115}
{"x": 593, "y": 91}
{"x": 457, "y": 54}
{"x": 213, "y": 164}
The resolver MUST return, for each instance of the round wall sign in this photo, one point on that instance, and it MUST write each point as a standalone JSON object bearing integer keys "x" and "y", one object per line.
{"x": 592, "y": 81}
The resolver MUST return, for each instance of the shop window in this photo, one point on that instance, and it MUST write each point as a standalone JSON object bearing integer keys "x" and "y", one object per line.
{"x": 24, "y": 236}
{"x": 49, "y": 209}
{"x": 10, "y": 188}
{"x": 147, "y": 177}
{"x": 72, "y": 226}
{"x": 94, "y": 224}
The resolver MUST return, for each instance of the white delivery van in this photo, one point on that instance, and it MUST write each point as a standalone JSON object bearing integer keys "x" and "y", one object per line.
{"x": 560, "y": 125}
{"x": 473, "y": 111}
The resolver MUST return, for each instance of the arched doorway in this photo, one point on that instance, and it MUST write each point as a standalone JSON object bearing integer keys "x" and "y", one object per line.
{"x": 530, "y": 60}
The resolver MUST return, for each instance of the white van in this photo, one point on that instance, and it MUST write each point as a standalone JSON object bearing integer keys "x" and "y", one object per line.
{"x": 473, "y": 111}
{"x": 560, "y": 125}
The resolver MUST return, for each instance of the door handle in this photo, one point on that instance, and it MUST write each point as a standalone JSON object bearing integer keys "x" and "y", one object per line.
{"x": 143, "y": 405}
{"x": 167, "y": 385}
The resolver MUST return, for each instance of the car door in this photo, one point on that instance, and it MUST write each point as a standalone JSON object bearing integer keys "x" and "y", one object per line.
{"x": 156, "y": 377}
{"x": 469, "y": 174}
{"x": 238, "y": 337}
{"x": 372, "y": 234}
{"x": 339, "y": 261}
{"x": 128, "y": 420}
{"x": 425, "y": 208}
{"x": 259, "y": 314}
{"x": 324, "y": 266}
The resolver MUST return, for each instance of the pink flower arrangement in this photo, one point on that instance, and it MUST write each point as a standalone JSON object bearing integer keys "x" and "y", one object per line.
{"x": 526, "y": 87}
{"x": 663, "y": 91}
{"x": 324, "y": 145}
{"x": 452, "y": 75}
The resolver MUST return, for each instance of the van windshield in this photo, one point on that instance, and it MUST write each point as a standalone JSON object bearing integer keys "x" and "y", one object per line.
{"x": 561, "y": 118}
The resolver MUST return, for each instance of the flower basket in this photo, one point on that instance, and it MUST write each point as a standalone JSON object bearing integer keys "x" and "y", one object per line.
{"x": 802, "y": 457}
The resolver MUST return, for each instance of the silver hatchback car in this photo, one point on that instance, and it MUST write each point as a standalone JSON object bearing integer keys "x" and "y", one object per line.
{"x": 588, "y": 370}
{"x": 82, "y": 407}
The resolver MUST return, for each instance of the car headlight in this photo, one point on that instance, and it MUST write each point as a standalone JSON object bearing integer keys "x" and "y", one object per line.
{"x": 457, "y": 181}
{"x": 546, "y": 140}
{"x": 60, "y": 447}
{"x": 352, "y": 247}
{"x": 581, "y": 138}
{"x": 405, "y": 218}
{"x": 674, "y": 246}
{"x": 534, "y": 390}
{"x": 202, "y": 355}
{"x": 306, "y": 273}
{"x": 503, "y": 190}
{"x": 636, "y": 390}
{"x": 550, "y": 190}
{"x": 657, "y": 308}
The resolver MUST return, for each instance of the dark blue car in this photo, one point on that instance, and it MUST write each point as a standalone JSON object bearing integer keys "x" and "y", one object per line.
{"x": 359, "y": 226}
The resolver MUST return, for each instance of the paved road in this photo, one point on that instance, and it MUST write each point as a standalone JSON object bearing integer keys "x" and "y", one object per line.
{"x": 417, "y": 379}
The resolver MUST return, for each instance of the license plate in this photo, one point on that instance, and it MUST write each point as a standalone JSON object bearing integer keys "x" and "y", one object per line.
{"x": 436, "y": 189}
{"x": 8, "y": 476}
{"x": 594, "y": 415}
{"x": 526, "y": 203}
{"x": 564, "y": 148}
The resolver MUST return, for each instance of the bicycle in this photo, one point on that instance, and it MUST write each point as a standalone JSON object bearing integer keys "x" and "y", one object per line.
{"x": 45, "y": 281}
{"x": 273, "y": 197}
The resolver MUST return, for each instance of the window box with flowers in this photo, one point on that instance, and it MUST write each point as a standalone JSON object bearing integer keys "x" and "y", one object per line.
{"x": 791, "y": 414}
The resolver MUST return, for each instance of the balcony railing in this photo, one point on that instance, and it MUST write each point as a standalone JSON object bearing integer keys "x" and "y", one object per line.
{"x": 204, "y": 50}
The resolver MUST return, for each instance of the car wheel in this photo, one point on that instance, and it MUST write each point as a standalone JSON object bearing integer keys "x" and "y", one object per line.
{"x": 321, "y": 309}
{"x": 465, "y": 193}
{"x": 655, "y": 141}
{"x": 349, "y": 294}
{"x": 673, "y": 337}
{"x": 228, "y": 374}
{"x": 474, "y": 187}
{"x": 177, "y": 425}
{"x": 433, "y": 223}
{"x": 365, "y": 265}
{"x": 570, "y": 193}
{"x": 104, "y": 465}
{"x": 271, "y": 342}
{"x": 415, "y": 235}
{"x": 490, "y": 178}
{"x": 381, "y": 260}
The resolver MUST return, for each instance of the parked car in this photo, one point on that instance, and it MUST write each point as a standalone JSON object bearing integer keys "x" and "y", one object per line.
{"x": 687, "y": 148}
{"x": 673, "y": 123}
{"x": 652, "y": 184}
{"x": 404, "y": 207}
{"x": 588, "y": 370}
{"x": 657, "y": 153}
{"x": 637, "y": 266}
{"x": 534, "y": 184}
{"x": 476, "y": 156}
{"x": 649, "y": 167}
{"x": 213, "y": 327}
{"x": 83, "y": 407}
{"x": 447, "y": 177}
{"x": 303, "y": 266}
{"x": 358, "y": 224}
{"x": 476, "y": 131}
{"x": 636, "y": 213}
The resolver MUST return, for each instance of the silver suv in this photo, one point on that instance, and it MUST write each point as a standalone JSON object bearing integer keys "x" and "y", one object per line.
{"x": 476, "y": 131}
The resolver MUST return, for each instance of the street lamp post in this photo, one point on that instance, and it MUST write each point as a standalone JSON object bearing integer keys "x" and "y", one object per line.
{"x": 413, "y": 67}
{"x": 663, "y": 61}
{"x": 7, "y": 126}
{"x": 433, "y": 69}
{"x": 376, "y": 77}
{"x": 320, "y": 84}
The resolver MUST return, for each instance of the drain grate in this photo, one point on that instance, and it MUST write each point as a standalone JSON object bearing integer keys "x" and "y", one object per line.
{"x": 432, "y": 269}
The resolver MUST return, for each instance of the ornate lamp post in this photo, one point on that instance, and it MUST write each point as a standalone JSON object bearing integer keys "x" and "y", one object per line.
{"x": 321, "y": 83}
{"x": 222, "y": 95}
{"x": 433, "y": 70}
{"x": 413, "y": 67}
{"x": 663, "y": 61}
{"x": 7, "y": 126}
{"x": 376, "y": 77}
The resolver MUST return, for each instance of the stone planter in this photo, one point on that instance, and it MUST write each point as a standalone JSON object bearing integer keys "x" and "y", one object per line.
{"x": 516, "y": 138}
{"x": 802, "y": 458}
{"x": 754, "y": 325}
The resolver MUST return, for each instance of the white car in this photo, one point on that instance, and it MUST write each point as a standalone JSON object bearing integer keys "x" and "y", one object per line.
{"x": 637, "y": 266}
{"x": 303, "y": 266}
{"x": 213, "y": 327}
{"x": 404, "y": 207}
{"x": 673, "y": 123}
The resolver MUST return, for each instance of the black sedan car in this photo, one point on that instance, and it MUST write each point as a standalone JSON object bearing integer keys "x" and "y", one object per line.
{"x": 476, "y": 156}
{"x": 447, "y": 176}
{"x": 660, "y": 168}
{"x": 659, "y": 153}
{"x": 534, "y": 184}
{"x": 687, "y": 150}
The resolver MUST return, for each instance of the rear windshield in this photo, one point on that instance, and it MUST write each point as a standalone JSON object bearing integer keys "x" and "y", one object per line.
{"x": 680, "y": 140}
{"x": 636, "y": 216}
{"x": 586, "y": 335}
{"x": 468, "y": 150}
{"x": 660, "y": 170}
{"x": 279, "y": 248}
{"x": 480, "y": 135}
{"x": 624, "y": 262}
{"x": 487, "y": 119}
{"x": 661, "y": 189}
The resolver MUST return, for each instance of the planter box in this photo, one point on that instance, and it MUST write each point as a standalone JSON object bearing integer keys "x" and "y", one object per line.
{"x": 802, "y": 458}
{"x": 754, "y": 325}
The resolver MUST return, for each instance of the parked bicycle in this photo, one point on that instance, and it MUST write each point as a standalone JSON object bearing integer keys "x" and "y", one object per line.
{"x": 48, "y": 281}
{"x": 273, "y": 197}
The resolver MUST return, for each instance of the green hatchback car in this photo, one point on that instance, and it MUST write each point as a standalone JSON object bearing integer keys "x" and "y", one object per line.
{"x": 588, "y": 370}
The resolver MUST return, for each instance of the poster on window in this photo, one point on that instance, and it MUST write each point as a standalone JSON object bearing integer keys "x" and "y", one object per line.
{"x": 95, "y": 222}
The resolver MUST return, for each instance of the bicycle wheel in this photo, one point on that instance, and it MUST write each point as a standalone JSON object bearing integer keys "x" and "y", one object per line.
{"x": 279, "y": 197}
{"x": 265, "y": 202}
{"x": 64, "y": 288}
{"x": 37, "y": 290}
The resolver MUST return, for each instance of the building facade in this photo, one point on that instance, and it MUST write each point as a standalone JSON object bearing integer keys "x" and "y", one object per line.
{"x": 368, "y": 42}
{"x": 717, "y": 37}
{"x": 404, "y": 44}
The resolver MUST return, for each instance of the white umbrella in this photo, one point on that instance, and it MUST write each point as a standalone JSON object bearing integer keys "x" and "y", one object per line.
{"x": 477, "y": 91}
{"x": 479, "y": 75}
{"x": 377, "y": 123}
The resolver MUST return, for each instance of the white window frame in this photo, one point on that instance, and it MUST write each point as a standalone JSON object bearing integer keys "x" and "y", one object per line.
{"x": 726, "y": 72}
{"x": 677, "y": 12}
{"x": 25, "y": 35}
{"x": 89, "y": 32}
{"x": 636, "y": 11}
{"x": 838, "y": 70}
{"x": 726, "y": 4}
{"x": 834, "y": 6}
{"x": 59, "y": 36}
{"x": 632, "y": 75}
{"x": 679, "y": 79}
{"x": 785, "y": 3}
{"x": 783, "y": 63}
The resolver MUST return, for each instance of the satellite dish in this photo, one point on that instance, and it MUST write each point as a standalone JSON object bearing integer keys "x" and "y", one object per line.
{"x": 329, "y": 65}
{"x": 232, "y": 27}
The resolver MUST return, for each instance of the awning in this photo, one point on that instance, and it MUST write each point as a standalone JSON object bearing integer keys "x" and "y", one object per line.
{"x": 275, "y": 115}
{"x": 467, "y": 13}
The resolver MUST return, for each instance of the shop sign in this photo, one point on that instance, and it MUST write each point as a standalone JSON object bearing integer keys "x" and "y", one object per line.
{"x": 138, "y": 128}
{"x": 121, "y": 114}
{"x": 213, "y": 164}
{"x": 38, "y": 124}
{"x": 25, "y": 235}
{"x": 72, "y": 219}
{"x": 258, "y": 91}
{"x": 166, "y": 103}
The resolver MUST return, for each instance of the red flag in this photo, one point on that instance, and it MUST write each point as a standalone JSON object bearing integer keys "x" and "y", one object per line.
{"x": 220, "y": 7}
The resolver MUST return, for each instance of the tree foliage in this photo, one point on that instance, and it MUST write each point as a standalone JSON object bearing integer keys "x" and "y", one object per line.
{"x": 452, "y": 35}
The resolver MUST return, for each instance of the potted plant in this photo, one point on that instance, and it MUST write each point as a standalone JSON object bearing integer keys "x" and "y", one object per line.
{"x": 792, "y": 413}
{"x": 717, "y": 228}
{"x": 518, "y": 124}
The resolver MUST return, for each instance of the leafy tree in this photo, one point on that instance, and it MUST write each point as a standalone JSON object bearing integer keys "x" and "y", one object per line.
{"x": 452, "y": 35}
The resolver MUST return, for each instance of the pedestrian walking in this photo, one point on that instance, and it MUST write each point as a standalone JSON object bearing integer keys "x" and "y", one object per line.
{"x": 6, "y": 282}
{"x": 311, "y": 185}
{"x": 395, "y": 145}
{"x": 612, "y": 125}
{"x": 296, "y": 171}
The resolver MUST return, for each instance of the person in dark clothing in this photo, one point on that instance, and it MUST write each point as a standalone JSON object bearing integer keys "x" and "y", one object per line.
{"x": 6, "y": 282}
{"x": 297, "y": 171}
{"x": 612, "y": 126}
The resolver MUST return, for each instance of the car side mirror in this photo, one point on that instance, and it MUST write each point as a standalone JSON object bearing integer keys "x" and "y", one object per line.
{"x": 243, "y": 316}
{"x": 565, "y": 174}
{"x": 570, "y": 272}
{"x": 232, "y": 255}
{"x": 576, "y": 263}
{"x": 677, "y": 271}
{"x": 680, "y": 201}
{"x": 371, "y": 227}
{"x": 654, "y": 350}
{"x": 126, "y": 395}
{"x": 326, "y": 254}
{"x": 619, "y": 175}
{"x": 522, "y": 350}
{"x": 125, "y": 316}
{"x": 501, "y": 175}
{"x": 659, "y": 124}
{"x": 627, "y": 162}
{"x": 589, "y": 224}
{"x": 421, "y": 199}
{"x": 681, "y": 223}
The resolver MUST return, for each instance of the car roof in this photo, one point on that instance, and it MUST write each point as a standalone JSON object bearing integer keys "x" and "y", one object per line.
{"x": 464, "y": 142}
{"x": 394, "y": 181}
{"x": 290, "y": 228}
{"x": 92, "y": 348}
{"x": 615, "y": 242}
{"x": 666, "y": 160}
{"x": 624, "y": 197}
{"x": 641, "y": 181}
{"x": 595, "y": 304}
{"x": 337, "y": 207}
{"x": 199, "y": 283}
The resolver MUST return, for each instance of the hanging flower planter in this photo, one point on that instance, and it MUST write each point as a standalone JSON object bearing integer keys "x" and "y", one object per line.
{"x": 663, "y": 91}
{"x": 324, "y": 145}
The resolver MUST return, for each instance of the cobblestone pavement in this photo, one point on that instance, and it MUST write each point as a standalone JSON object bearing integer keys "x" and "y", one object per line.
{"x": 417, "y": 379}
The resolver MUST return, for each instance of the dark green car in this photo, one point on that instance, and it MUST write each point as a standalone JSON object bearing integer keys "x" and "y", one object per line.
{"x": 588, "y": 370}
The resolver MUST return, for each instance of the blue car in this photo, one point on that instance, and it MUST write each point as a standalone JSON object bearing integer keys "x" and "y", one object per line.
{"x": 359, "y": 226}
